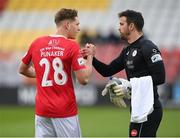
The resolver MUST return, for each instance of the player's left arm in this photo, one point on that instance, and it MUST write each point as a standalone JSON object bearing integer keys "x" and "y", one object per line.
{"x": 25, "y": 67}
{"x": 155, "y": 63}
{"x": 27, "y": 70}
{"x": 83, "y": 75}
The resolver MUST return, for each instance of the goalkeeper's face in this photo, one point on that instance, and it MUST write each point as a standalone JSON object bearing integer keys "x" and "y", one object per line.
{"x": 124, "y": 28}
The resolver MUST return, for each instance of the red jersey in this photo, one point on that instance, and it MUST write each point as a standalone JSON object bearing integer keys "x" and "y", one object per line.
{"x": 54, "y": 58}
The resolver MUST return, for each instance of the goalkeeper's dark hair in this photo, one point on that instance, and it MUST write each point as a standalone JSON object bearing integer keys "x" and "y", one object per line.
{"x": 65, "y": 14}
{"x": 133, "y": 17}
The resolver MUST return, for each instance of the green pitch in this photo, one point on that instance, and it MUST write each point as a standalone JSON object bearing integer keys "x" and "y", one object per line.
{"x": 97, "y": 121}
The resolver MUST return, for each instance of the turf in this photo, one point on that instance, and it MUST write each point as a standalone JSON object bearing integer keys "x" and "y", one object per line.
{"x": 97, "y": 121}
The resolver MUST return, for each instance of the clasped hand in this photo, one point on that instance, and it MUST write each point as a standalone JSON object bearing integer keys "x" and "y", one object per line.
{"x": 89, "y": 49}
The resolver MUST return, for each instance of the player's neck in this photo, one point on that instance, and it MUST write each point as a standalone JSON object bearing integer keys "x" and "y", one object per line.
{"x": 62, "y": 32}
{"x": 57, "y": 35}
{"x": 134, "y": 36}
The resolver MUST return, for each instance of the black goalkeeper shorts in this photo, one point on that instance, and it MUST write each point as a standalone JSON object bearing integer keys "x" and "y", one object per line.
{"x": 150, "y": 127}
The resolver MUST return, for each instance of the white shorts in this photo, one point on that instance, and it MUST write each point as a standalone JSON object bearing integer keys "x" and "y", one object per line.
{"x": 57, "y": 127}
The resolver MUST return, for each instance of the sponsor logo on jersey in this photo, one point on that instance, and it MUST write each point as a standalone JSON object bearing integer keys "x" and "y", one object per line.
{"x": 156, "y": 58}
{"x": 154, "y": 50}
{"x": 130, "y": 64}
{"x": 80, "y": 61}
{"x": 53, "y": 42}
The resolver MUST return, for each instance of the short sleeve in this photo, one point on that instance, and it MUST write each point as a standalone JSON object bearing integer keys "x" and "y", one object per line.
{"x": 28, "y": 56}
{"x": 77, "y": 59}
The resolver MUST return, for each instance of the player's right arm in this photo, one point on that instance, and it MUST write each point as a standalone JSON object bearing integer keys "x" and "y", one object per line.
{"x": 114, "y": 67}
{"x": 27, "y": 70}
{"x": 83, "y": 75}
{"x": 105, "y": 70}
{"x": 82, "y": 67}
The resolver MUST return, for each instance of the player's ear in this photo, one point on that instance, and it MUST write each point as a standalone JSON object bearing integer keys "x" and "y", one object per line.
{"x": 131, "y": 26}
{"x": 67, "y": 25}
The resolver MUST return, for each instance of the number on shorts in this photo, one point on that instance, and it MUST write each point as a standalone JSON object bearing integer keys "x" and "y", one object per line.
{"x": 58, "y": 70}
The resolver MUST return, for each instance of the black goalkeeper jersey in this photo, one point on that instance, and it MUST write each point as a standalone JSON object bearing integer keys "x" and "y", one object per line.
{"x": 141, "y": 58}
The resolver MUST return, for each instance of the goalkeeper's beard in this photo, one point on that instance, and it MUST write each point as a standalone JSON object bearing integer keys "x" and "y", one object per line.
{"x": 124, "y": 36}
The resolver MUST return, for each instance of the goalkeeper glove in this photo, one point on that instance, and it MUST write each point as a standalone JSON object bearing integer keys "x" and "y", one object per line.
{"x": 115, "y": 99}
{"x": 122, "y": 88}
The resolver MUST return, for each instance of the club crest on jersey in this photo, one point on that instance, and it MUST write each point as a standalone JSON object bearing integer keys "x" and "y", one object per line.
{"x": 80, "y": 61}
{"x": 156, "y": 58}
{"x": 134, "y": 132}
{"x": 134, "y": 53}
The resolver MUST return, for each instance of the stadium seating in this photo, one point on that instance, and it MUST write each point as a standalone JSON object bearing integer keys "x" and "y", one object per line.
{"x": 53, "y": 5}
{"x": 19, "y": 40}
{"x": 2, "y": 5}
{"x": 161, "y": 22}
{"x": 22, "y": 21}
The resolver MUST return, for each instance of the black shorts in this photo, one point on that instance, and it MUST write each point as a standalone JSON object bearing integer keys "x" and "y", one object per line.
{"x": 150, "y": 127}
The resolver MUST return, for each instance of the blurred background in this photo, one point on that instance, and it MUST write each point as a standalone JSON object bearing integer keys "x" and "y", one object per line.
{"x": 21, "y": 21}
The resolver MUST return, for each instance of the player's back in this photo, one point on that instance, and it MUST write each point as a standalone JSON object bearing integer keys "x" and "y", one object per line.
{"x": 54, "y": 58}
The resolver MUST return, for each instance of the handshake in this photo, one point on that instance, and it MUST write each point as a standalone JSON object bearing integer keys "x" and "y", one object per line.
{"x": 118, "y": 89}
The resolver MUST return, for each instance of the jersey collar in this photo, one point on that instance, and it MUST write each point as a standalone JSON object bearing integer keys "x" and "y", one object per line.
{"x": 55, "y": 35}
